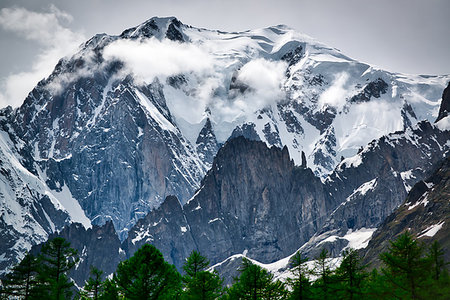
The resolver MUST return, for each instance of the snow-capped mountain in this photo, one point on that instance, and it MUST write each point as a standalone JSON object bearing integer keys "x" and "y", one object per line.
{"x": 254, "y": 202}
{"x": 29, "y": 209}
{"x": 133, "y": 118}
{"x": 372, "y": 184}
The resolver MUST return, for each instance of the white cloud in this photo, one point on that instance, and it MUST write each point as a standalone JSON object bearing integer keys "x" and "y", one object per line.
{"x": 263, "y": 75}
{"x": 264, "y": 78}
{"x": 336, "y": 94}
{"x": 153, "y": 58}
{"x": 55, "y": 40}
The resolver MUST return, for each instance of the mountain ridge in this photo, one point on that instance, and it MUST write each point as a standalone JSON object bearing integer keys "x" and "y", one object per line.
{"x": 108, "y": 140}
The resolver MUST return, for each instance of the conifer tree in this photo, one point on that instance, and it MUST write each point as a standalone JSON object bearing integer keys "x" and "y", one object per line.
{"x": 438, "y": 285}
{"x": 435, "y": 255}
{"x": 206, "y": 285}
{"x": 56, "y": 259}
{"x": 110, "y": 291}
{"x": 195, "y": 263}
{"x": 323, "y": 285}
{"x": 300, "y": 284}
{"x": 21, "y": 282}
{"x": 256, "y": 283}
{"x": 351, "y": 274}
{"x": 147, "y": 276}
{"x": 199, "y": 283}
{"x": 94, "y": 285}
{"x": 405, "y": 267}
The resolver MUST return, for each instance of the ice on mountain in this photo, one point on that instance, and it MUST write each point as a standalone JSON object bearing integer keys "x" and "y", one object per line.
{"x": 154, "y": 113}
{"x": 432, "y": 230}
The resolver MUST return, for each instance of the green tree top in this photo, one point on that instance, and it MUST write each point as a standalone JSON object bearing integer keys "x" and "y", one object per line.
{"x": 405, "y": 267}
{"x": 22, "y": 282}
{"x": 147, "y": 276}
{"x": 255, "y": 283}
{"x": 56, "y": 259}
{"x": 199, "y": 283}
{"x": 195, "y": 263}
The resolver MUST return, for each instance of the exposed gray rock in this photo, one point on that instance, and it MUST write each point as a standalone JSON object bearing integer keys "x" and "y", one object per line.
{"x": 373, "y": 89}
{"x": 174, "y": 31}
{"x": 444, "y": 109}
{"x": 252, "y": 199}
{"x": 292, "y": 123}
{"x": 324, "y": 151}
{"x": 207, "y": 145}
{"x": 98, "y": 141}
{"x": 371, "y": 185}
{"x": 98, "y": 246}
{"x": 303, "y": 165}
{"x": 425, "y": 208}
{"x": 28, "y": 213}
{"x": 167, "y": 228}
{"x": 246, "y": 130}
{"x": 272, "y": 134}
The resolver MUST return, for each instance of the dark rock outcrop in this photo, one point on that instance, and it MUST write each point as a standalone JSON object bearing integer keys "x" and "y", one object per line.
{"x": 206, "y": 143}
{"x": 246, "y": 130}
{"x": 372, "y": 89}
{"x": 167, "y": 228}
{"x": 100, "y": 139}
{"x": 253, "y": 199}
{"x": 98, "y": 246}
{"x": 303, "y": 164}
{"x": 425, "y": 214}
{"x": 371, "y": 185}
{"x": 444, "y": 109}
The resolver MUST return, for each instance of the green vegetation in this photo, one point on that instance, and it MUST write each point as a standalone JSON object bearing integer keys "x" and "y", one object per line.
{"x": 199, "y": 283}
{"x": 147, "y": 276}
{"x": 256, "y": 283}
{"x": 410, "y": 271}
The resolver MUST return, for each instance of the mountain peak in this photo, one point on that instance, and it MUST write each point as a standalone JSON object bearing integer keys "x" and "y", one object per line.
{"x": 158, "y": 27}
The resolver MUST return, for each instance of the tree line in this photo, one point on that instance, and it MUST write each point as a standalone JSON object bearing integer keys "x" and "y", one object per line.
{"x": 410, "y": 270}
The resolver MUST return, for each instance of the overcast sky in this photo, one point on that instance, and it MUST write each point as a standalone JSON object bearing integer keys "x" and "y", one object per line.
{"x": 408, "y": 36}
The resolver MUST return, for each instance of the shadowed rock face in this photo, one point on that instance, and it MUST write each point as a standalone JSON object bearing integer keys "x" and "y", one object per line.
{"x": 98, "y": 139}
{"x": 206, "y": 143}
{"x": 253, "y": 199}
{"x": 98, "y": 246}
{"x": 444, "y": 110}
{"x": 426, "y": 208}
{"x": 371, "y": 185}
{"x": 373, "y": 89}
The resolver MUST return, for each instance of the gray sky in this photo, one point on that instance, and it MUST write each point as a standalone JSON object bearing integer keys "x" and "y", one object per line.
{"x": 408, "y": 36}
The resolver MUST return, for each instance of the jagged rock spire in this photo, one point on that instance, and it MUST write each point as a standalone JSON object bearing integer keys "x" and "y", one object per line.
{"x": 444, "y": 110}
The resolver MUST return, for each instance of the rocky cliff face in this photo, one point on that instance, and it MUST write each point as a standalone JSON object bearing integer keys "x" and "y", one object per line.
{"x": 444, "y": 109}
{"x": 372, "y": 184}
{"x": 425, "y": 214}
{"x": 29, "y": 209}
{"x": 253, "y": 200}
{"x": 109, "y": 148}
{"x": 206, "y": 143}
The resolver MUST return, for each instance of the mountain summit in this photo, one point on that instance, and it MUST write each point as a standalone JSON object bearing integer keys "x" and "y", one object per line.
{"x": 133, "y": 118}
